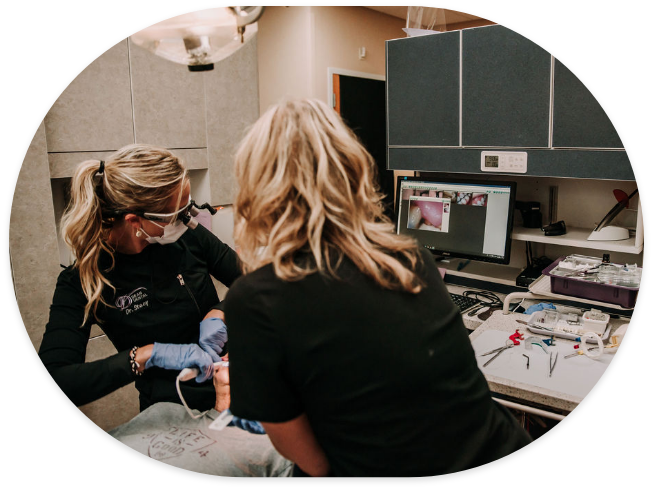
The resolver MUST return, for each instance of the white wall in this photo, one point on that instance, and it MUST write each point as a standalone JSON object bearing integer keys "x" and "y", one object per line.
{"x": 298, "y": 44}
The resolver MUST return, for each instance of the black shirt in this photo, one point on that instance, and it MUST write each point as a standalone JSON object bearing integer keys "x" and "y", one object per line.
{"x": 387, "y": 379}
{"x": 150, "y": 304}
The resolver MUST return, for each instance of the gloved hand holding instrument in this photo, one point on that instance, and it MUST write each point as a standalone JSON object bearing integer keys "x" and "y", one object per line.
{"x": 200, "y": 362}
{"x": 180, "y": 356}
{"x": 213, "y": 336}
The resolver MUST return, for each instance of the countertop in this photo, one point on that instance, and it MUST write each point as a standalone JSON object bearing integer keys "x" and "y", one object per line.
{"x": 523, "y": 392}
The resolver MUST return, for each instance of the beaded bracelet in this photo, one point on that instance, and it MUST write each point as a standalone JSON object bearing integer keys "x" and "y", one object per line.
{"x": 133, "y": 363}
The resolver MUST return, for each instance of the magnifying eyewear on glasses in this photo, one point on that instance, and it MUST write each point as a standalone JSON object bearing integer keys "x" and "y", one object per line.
{"x": 186, "y": 214}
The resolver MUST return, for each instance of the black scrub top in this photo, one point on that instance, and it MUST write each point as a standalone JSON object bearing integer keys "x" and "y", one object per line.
{"x": 388, "y": 380}
{"x": 161, "y": 295}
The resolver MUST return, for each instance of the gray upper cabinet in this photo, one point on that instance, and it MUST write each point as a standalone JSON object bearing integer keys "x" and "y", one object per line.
{"x": 502, "y": 86}
{"x": 578, "y": 119}
{"x": 506, "y": 89}
{"x": 423, "y": 90}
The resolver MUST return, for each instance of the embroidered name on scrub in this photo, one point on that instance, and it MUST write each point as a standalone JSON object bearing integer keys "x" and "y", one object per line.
{"x": 134, "y": 301}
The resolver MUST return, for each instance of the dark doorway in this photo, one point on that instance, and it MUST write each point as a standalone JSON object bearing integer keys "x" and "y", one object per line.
{"x": 361, "y": 103}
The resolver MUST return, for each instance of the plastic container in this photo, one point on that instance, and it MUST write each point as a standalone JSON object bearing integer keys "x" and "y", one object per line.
{"x": 569, "y": 325}
{"x": 585, "y": 280}
{"x": 595, "y": 321}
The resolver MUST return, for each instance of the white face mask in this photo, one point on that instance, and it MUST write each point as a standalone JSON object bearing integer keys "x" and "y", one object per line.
{"x": 171, "y": 233}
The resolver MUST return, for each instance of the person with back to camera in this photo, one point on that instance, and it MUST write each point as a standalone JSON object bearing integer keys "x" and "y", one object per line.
{"x": 143, "y": 276}
{"x": 344, "y": 342}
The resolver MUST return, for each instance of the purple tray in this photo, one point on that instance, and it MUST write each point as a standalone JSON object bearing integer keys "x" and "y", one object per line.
{"x": 606, "y": 293}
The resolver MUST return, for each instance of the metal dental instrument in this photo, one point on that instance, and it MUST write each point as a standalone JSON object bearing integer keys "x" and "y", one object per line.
{"x": 573, "y": 354}
{"x": 498, "y": 352}
{"x": 588, "y": 351}
{"x": 579, "y": 352}
{"x": 528, "y": 361}
{"x": 552, "y": 362}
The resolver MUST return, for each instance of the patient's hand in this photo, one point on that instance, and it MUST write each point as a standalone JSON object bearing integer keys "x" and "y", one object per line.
{"x": 222, "y": 390}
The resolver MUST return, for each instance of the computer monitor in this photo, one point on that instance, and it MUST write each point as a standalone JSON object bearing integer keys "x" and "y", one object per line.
{"x": 456, "y": 217}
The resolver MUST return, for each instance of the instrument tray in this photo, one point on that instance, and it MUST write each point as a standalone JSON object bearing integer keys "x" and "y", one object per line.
{"x": 583, "y": 288}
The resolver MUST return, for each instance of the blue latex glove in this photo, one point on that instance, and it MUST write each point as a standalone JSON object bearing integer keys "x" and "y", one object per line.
{"x": 539, "y": 307}
{"x": 213, "y": 336}
{"x": 248, "y": 425}
{"x": 180, "y": 356}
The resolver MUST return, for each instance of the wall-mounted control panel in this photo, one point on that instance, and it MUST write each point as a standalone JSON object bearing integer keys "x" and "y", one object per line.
{"x": 504, "y": 161}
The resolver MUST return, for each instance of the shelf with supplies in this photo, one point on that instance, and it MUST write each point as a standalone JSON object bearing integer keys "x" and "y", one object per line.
{"x": 577, "y": 237}
{"x": 581, "y": 205}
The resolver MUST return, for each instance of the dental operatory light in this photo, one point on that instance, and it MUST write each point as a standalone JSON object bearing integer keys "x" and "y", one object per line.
{"x": 200, "y": 39}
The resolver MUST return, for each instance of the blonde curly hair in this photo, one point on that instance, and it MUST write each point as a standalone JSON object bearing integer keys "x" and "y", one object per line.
{"x": 307, "y": 184}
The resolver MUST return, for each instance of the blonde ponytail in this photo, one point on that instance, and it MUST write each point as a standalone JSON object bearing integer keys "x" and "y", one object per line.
{"x": 84, "y": 232}
{"x": 135, "y": 178}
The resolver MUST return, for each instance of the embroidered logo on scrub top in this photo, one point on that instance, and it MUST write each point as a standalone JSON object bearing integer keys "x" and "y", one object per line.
{"x": 133, "y": 301}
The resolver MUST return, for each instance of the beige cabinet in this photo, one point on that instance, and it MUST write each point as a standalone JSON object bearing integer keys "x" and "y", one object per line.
{"x": 169, "y": 102}
{"x": 94, "y": 113}
{"x": 126, "y": 95}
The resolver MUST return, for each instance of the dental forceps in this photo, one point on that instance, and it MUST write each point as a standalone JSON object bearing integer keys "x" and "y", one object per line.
{"x": 497, "y": 352}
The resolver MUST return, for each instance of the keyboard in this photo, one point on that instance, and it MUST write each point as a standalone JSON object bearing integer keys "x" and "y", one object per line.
{"x": 463, "y": 302}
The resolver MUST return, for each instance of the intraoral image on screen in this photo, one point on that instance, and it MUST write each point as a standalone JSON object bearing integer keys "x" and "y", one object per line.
{"x": 460, "y": 219}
